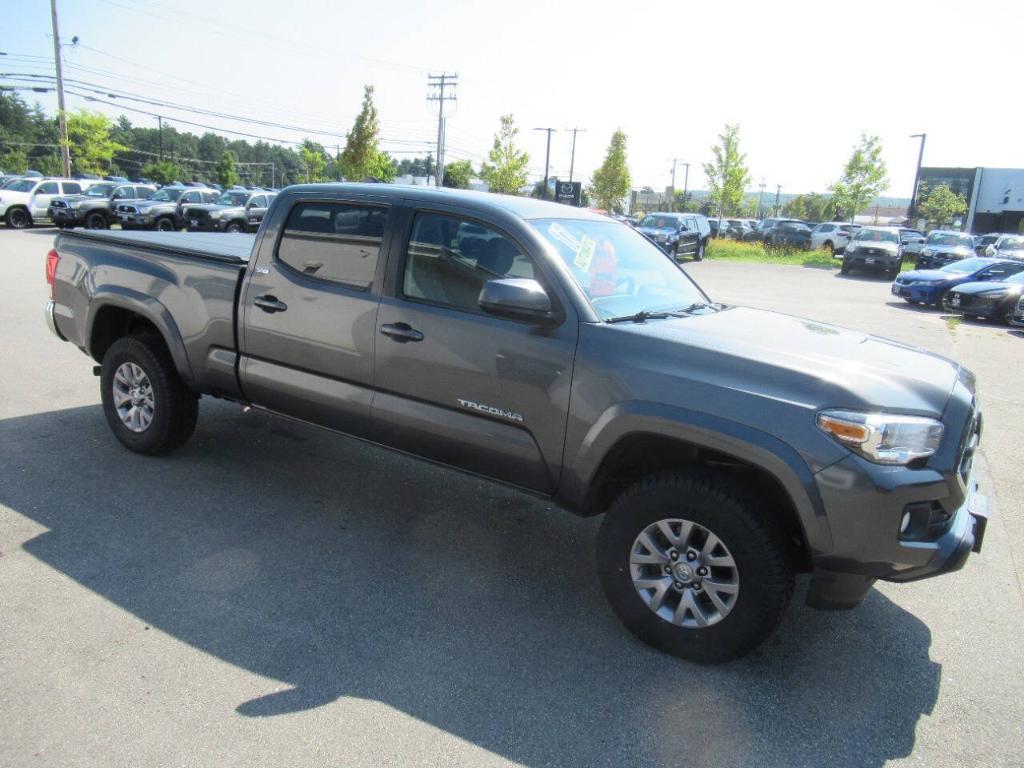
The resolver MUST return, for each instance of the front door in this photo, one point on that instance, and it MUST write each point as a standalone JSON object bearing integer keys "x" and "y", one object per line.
{"x": 309, "y": 315}
{"x": 454, "y": 384}
{"x": 41, "y": 200}
{"x": 689, "y": 236}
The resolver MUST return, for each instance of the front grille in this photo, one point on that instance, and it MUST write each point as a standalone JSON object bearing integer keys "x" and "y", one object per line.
{"x": 59, "y": 204}
{"x": 127, "y": 209}
{"x": 972, "y": 436}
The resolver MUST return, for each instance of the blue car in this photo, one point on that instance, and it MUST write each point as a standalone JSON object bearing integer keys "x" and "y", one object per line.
{"x": 929, "y": 286}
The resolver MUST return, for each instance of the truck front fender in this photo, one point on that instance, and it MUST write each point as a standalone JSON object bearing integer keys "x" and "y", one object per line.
{"x": 748, "y": 445}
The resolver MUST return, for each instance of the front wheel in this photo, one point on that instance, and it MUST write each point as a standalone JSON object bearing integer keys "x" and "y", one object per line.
{"x": 691, "y": 566}
{"x": 96, "y": 221}
{"x": 166, "y": 224}
{"x": 234, "y": 227}
{"x": 146, "y": 404}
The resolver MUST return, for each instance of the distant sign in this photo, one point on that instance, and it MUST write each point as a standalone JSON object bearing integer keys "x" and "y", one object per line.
{"x": 569, "y": 192}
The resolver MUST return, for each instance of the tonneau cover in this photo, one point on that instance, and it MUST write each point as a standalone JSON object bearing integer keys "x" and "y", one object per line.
{"x": 230, "y": 247}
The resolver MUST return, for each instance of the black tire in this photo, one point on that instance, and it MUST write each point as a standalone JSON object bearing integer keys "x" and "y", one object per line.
{"x": 829, "y": 248}
{"x": 96, "y": 220}
{"x": 699, "y": 255}
{"x": 234, "y": 226}
{"x": 18, "y": 218}
{"x": 844, "y": 269}
{"x": 175, "y": 406}
{"x": 765, "y": 575}
{"x": 165, "y": 224}
{"x": 1004, "y": 314}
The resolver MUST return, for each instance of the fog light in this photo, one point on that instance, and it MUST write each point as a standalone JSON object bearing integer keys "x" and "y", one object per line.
{"x": 905, "y": 522}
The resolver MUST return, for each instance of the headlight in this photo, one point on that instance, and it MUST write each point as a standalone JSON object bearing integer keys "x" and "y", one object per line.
{"x": 883, "y": 438}
{"x": 215, "y": 214}
{"x": 851, "y": 248}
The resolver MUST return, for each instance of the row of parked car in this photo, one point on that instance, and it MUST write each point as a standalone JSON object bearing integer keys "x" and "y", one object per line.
{"x": 99, "y": 203}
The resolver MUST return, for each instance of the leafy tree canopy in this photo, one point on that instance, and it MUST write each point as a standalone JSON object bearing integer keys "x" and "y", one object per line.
{"x": 505, "y": 170}
{"x": 610, "y": 184}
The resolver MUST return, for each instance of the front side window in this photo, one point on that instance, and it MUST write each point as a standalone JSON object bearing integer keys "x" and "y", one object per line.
{"x": 258, "y": 202}
{"x": 620, "y": 271}
{"x": 100, "y": 190}
{"x": 1001, "y": 271}
{"x": 339, "y": 242}
{"x": 47, "y": 188}
{"x": 449, "y": 260}
{"x": 1011, "y": 244}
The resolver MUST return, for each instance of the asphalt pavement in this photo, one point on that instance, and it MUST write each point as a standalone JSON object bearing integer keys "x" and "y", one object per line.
{"x": 274, "y": 594}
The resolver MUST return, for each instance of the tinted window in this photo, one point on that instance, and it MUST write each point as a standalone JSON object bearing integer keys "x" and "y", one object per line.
{"x": 259, "y": 201}
{"x": 825, "y": 228}
{"x": 339, "y": 242}
{"x": 145, "y": 193}
{"x": 191, "y": 197}
{"x": 999, "y": 271}
{"x": 449, "y": 260}
{"x": 71, "y": 188}
{"x": 47, "y": 188}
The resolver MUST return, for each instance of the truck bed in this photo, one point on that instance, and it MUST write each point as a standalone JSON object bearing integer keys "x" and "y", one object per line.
{"x": 230, "y": 248}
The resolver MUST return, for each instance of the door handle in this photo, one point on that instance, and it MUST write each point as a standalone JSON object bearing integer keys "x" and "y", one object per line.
{"x": 270, "y": 304}
{"x": 401, "y": 332}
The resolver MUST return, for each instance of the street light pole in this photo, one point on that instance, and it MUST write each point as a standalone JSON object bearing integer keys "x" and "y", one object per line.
{"x": 917, "y": 174}
{"x": 547, "y": 159}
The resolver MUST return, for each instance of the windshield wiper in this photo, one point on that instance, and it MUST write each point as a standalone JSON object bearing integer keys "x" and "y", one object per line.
{"x": 641, "y": 316}
{"x": 697, "y": 305}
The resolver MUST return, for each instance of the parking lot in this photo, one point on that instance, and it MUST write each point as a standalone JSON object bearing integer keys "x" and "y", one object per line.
{"x": 273, "y": 594}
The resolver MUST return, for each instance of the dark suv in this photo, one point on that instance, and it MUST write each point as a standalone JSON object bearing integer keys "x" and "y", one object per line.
{"x": 94, "y": 209}
{"x": 236, "y": 210}
{"x": 678, "y": 234}
{"x": 163, "y": 210}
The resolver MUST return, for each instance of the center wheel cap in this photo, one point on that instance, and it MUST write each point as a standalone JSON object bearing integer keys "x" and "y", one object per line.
{"x": 684, "y": 573}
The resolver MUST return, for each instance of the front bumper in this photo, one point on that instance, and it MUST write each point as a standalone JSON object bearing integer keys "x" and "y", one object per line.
{"x": 972, "y": 304}
{"x": 870, "y": 260}
{"x": 926, "y": 294}
{"x": 129, "y": 220}
{"x": 64, "y": 216}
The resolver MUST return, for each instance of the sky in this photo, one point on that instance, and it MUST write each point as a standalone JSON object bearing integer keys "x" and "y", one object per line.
{"x": 802, "y": 79}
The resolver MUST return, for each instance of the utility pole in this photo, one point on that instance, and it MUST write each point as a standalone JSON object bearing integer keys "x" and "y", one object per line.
{"x": 760, "y": 200}
{"x": 62, "y": 120}
{"x": 438, "y": 83}
{"x": 672, "y": 204}
{"x": 547, "y": 159}
{"x": 572, "y": 158}
{"x": 778, "y": 191}
{"x": 160, "y": 129}
{"x": 917, "y": 176}
{"x": 686, "y": 183}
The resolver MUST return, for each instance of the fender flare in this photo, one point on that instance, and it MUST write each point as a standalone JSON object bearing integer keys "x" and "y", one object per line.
{"x": 149, "y": 308}
{"x": 745, "y": 443}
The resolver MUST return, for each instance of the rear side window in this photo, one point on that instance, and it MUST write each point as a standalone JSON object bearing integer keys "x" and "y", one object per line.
{"x": 144, "y": 193}
{"x": 339, "y": 242}
{"x": 449, "y": 260}
{"x": 71, "y": 188}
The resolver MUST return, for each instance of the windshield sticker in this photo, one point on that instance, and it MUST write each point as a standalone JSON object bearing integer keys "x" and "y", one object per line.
{"x": 585, "y": 254}
{"x": 564, "y": 236}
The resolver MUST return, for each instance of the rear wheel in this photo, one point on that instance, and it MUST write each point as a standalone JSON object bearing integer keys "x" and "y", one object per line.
{"x": 845, "y": 268}
{"x": 18, "y": 218}
{"x": 701, "y": 247}
{"x": 146, "y": 404}
{"x": 691, "y": 567}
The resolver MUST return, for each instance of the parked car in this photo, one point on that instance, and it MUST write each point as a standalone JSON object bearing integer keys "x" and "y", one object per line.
{"x": 163, "y": 211}
{"x": 992, "y": 299}
{"x": 1007, "y": 247}
{"x": 94, "y": 209}
{"x": 982, "y": 242}
{"x": 718, "y": 227}
{"x": 1018, "y": 313}
{"x": 833, "y": 236}
{"x": 236, "y": 210}
{"x": 678, "y": 234}
{"x": 26, "y": 201}
{"x": 563, "y": 354}
{"x": 943, "y": 247}
{"x": 757, "y": 233}
{"x": 787, "y": 234}
{"x": 929, "y": 286}
{"x": 874, "y": 248}
{"x": 738, "y": 228}
{"x": 913, "y": 242}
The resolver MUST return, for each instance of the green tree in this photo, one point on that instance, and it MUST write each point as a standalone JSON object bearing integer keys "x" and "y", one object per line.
{"x": 164, "y": 171}
{"x": 92, "y": 148}
{"x": 941, "y": 205}
{"x": 610, "y": 184}
{"x": 458, "y": 174}
{"x": 864, "y": 178}
{"x": 506, "y": 171}
{"x": 315, "y": 160}
{"x": 727, "y": 174}
{"x": 361, "y": 156}
{"x": 225, "y": 171}
{"x": 810, "y": 207}
{"x": 382, "y": 167}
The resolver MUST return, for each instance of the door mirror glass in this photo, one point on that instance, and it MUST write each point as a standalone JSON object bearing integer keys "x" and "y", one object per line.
{"x": 517, "y": 298}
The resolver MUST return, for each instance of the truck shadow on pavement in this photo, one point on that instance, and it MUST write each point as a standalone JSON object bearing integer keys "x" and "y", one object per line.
{"x": 343, "y": 570}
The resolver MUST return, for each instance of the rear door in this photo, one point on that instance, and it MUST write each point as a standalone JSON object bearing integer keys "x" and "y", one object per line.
{"x": 309, "y": 312}
{"x": 487, "y": 394}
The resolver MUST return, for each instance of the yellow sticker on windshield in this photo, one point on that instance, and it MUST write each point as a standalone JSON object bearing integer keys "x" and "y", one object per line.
{"x": 585, "y": 254}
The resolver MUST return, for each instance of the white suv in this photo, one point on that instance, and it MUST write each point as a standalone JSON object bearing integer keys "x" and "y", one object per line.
{"x": 24, "y": 202}
{"x": 833, "y": 236}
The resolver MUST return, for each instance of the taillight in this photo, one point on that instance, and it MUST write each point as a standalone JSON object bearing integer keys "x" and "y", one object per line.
{"x": 51, "y": 271}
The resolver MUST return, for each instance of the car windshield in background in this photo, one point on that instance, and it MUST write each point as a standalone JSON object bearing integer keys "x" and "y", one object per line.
{"x": 950, "y": 238}
{"x": 620, "y": 271}
{"x": 166, "y": 195}
{"x": 100, "y": 190}
{"x": 233, "y": 198}
{"x": 875, "y": 236}
{"x": 1012, "y": 244}
{"x": 966, "y": 266}
{"x": 22, "y": 185}
{"x": 660, "y": 222}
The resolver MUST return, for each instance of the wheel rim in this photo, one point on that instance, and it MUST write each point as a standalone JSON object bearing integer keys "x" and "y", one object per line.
{"x": 19, "y": 219}
{"x": 164, "y": 225}
{"x": 133, "y": 397}
{"x": 684, "y": 573}
{"x": 94, "y": 222}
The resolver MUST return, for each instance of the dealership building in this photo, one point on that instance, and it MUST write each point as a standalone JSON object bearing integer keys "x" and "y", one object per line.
{"x": 995, "y": 196}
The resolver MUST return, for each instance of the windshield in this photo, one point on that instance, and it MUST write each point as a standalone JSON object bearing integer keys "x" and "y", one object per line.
{"x": 1011, "y": 244}
{"x": 233, "y": 198}
{"x": 660, "y": 222}
{"x": 100, "y": 190}
{"x": 21, "y": 185}
{"x": 966, "y": 266}
{"x": 876, "y": 236}
{"x": 620, "y": 272}
{"x": 166, "y": 195}
{"x": 950, "y": 238}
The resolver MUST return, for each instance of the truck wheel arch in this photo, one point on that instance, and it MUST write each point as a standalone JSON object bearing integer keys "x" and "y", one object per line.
{"x": 118, "y": 312}
{"x": 607, "y": 461}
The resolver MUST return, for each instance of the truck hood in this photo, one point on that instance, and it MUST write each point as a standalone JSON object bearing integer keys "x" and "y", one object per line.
{"x": 798, "y": 360}
{"x": 989, "y": 286}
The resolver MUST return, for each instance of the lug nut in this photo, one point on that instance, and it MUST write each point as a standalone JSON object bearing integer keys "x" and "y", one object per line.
{"x": 702, "y": 571}
{"x": 695, "y": 586}
{"x": 668, "y": 569}
{"x": 673, "y": 554}
{"x": 691, "y": 555}
{"x": 679, "y": 585}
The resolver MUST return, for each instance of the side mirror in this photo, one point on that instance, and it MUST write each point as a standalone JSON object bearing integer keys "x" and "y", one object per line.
{"x": 517, "y": 298}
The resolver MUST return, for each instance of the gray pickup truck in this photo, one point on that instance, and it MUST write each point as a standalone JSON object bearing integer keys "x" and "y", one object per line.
{"x": 563, "y": 353}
